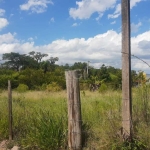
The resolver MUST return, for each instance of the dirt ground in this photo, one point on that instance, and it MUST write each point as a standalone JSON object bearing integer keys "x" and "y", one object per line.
{"x": 6, "y": 145}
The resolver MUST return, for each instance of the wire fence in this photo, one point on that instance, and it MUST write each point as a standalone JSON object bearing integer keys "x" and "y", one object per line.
{"x": 101, "y": 121}
{"x": 101, "y": 118}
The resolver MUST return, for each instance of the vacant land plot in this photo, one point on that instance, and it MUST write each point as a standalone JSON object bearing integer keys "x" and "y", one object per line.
{"x": 40, "y": 120}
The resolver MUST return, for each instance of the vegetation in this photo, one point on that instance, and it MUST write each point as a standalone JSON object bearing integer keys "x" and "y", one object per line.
{"x": 40, "y": 119}
{"x": 31, "y": 70}
{"x": 40, "y": 105}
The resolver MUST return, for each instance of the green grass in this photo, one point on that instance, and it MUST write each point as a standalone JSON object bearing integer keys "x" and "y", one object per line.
{"x": 40, "y": 120}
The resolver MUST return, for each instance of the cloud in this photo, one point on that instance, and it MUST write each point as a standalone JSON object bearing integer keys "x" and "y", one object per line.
{"x": 52, "y": 20}
{"x": 134, "y": 3}
{"x": 36, "y": 6}
{"x": 117, "y": 11}
{"x": 76, "y": 24}
{"x": 7, "y": 38}
{"x": 3, "y": 23}
{"x": 145, "y": 44}
{"x": 114, "y": 22}
{"x": 2, "y": 12}
{"x": 135, "y": 27}
{"x": 101, "y": 49}
{"x": 86, "y": 8}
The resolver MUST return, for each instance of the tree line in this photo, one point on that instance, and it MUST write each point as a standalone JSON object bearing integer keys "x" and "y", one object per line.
{"x": 38, "y": 71}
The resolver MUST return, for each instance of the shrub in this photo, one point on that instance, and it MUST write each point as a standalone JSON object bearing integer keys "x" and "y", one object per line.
{"x": 84, "y": 86}
{"x": 103, "y": 88}
{"x": 22, "y": 88}
{"x": 53, "y": 87}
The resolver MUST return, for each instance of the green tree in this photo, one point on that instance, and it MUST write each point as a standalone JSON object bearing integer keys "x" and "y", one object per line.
{"x": 18, "y": 61}
{"x": 37, "y": 55}
{"x": 12, "y": 60}
{"x": 103, "y": 74}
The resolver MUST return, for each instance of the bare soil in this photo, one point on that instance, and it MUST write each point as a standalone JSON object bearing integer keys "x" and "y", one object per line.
{"x": 6, "y": 145}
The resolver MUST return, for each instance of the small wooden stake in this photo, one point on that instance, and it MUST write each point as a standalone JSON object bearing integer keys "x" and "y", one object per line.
{"x": 10, "y": 110}
{"x": 74, "y": 111}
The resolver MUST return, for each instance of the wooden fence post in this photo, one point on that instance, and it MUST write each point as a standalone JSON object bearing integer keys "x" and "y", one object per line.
{"x": 74, "y": 110}
{"x": 10, "y": 110}
{"x": 126, "y": 71}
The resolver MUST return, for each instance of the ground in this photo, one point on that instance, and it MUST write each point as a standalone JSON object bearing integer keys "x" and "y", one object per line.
{"x": 4, "y": 145}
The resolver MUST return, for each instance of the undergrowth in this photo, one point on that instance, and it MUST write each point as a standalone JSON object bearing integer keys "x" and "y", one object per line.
{"x": 40, "y": 120}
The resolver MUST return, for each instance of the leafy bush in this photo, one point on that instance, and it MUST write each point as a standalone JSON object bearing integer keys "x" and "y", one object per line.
{"x": 129, "y": 145}
{"x": 22, "y": 88}
{"x": 103, "y": 88}
{"x": 84, "y": 86}
{"x": 53, "y": 87}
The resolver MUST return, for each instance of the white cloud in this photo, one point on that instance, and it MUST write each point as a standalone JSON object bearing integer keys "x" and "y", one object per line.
{"x": 86, "y": 8}
{"x": 74, "y": 25}
{"x": 102, "y": 48}
{"x": 3, "y": 23}
{"x": 36, "y": 6}
{"x": 134, "y": 3}
{"x": 7, "y": 38}
{"x": 30, "y": 39}
{"x": 2, "y": 12}
{"x": 114, "y": 22}
{"x": 135, "y": 27}
{"x": 52, "y": 20}
{"x": 117, "y": 12}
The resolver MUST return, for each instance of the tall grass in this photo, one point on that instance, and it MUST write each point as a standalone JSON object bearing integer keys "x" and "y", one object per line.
{"x": 40, "y": 120}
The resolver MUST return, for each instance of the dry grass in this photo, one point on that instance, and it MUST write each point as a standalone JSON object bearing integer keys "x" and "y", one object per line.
{"x": 101, "y": 114}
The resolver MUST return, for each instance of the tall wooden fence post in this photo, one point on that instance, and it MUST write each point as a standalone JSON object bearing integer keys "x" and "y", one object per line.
{"x": 10, "y": 110}
{"x": 74, "y": 110}
{"x": 126, "y": 71}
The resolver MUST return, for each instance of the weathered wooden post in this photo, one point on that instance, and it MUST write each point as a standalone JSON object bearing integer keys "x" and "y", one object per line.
{"x": 74, "y": 110}
{"x": 10, "y": 110}
{"x": 126, "y": 71}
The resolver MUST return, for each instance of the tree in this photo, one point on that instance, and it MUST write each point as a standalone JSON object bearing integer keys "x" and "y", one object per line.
{"x": 103, "y": 74}
{"x": 18, "y": 61}
{"x": 134, "y": 78}
{"x": 13, "y": 60}
{"x": 37, "y": 55}
{"x": 49, "y": 65}
{"x": 141, "y": 77}
{"x": 52, "y": 60}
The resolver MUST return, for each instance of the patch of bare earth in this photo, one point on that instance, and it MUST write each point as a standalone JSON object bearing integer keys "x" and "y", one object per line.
{"x": 5, "y": 145}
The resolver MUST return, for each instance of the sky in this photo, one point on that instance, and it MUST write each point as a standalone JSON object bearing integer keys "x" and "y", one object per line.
{"x": 75, "y": 31}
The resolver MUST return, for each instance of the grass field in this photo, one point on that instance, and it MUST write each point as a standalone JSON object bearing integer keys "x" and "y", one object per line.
{"x": 40, "y": 120}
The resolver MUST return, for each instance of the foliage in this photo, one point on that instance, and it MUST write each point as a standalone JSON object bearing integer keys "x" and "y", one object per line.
{"x": 103, "y": 88}
{"x": 37, "y": 55}
{"x": 129, "y": 145}
{"x": 37, "y": 122}
{"x": 17, "y": 61}
{"x": 40, "y": 118}
{"x": 47, "y": 132}
{"x": 22, "y": 88}
{"x": 84, "y": 86}
{"x": 34, "y": 71}
{"x": 53, "y": 87}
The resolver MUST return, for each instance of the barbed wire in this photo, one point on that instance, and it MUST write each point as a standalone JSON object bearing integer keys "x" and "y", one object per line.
{"x": 137, "y": 58}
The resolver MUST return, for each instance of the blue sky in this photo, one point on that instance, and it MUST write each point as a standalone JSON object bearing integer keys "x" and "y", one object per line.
{"x": 84, "y": 30}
